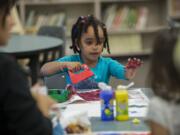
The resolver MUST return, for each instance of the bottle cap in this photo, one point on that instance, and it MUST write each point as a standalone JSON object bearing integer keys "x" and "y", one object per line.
{"x": 104, "y": 86}
{"x": 108, "y": 87}
{"x": 125, "y": 86}
{"x": 121, "y": 87}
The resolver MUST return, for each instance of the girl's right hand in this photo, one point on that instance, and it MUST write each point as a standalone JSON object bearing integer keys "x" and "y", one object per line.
{"x": 73, "y": 66}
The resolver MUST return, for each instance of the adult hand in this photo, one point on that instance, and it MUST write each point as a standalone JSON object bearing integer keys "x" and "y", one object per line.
{"x": 44, "y": 102}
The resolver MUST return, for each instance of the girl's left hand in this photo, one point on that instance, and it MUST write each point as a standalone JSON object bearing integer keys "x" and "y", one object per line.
{"x": 130, "y": 73}
{"x": 131, "y": 67}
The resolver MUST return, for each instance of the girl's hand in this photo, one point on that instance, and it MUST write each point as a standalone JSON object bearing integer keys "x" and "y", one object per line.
{"x": 131, "y": 67}
{"x": 133, "y": 63}
{"x": 73, "y": 66}
{"x": 130, "y": 73}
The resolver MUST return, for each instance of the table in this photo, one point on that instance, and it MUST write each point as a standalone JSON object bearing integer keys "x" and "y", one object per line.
{"x": 99, "y": 125}
{"x": 116, "y": 126}
{"x": 30, "y": 46}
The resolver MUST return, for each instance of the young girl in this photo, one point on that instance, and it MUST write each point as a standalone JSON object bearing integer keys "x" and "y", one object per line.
{"x": 163, "y": 114}
{"x": 89, "y": 38}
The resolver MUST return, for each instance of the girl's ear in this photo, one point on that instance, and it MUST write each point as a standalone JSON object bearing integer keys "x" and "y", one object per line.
{"x": 77, "y": 45}
{"x": 78, "y": 48}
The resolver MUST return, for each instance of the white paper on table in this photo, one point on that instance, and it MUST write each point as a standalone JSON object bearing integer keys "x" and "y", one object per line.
{"x": 76, "y": 98}
{"x": 138, "y": 103}
{"x": 92, "y": 108}
{"x": 73, "y": 99}
{"x": 137, "y": 111}
{"x": 137, "y": 98}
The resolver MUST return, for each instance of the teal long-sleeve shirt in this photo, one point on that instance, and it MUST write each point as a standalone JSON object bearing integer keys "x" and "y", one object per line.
{"x": 105, "y": 68}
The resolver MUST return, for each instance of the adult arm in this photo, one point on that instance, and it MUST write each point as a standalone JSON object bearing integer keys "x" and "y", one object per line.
{"x": 22, "y": 114}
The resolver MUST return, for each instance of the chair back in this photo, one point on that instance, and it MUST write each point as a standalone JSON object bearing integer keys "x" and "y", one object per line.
{"x": 52, "y": 31}
{"x": 57, "y": 81}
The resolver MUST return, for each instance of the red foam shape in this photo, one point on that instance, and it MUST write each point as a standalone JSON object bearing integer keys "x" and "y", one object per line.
{"x": 78, "y": 77}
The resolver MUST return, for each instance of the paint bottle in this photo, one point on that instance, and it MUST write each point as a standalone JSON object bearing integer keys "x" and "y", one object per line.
{"x": 107, "y": 99}
{"x": 121, "y": 100}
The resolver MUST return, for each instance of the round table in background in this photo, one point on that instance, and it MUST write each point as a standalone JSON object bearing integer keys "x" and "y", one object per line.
{"x": 30, "y": 46}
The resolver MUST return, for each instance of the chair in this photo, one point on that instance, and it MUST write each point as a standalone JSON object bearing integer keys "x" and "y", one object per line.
{"x": 52, "y": 31}
{"x": 57, "y": 81}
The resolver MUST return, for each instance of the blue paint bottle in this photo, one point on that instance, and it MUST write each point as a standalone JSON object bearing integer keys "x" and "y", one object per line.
{"x": 107, "y": 99}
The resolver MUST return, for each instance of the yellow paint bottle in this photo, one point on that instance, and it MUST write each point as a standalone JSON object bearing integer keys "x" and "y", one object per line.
{"x": 121, "y": 99}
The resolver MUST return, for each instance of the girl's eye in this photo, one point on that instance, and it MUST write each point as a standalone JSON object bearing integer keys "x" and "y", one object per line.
{"x": 88, "y": 42}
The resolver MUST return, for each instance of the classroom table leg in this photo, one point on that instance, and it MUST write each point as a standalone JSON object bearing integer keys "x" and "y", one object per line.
{"x": 34, "y": 66}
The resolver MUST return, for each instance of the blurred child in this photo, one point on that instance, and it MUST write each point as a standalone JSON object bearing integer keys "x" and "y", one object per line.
{"x": 163, "y": 115}
{"x": 21, "y": 112}
{"x": 89, "y": 38}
